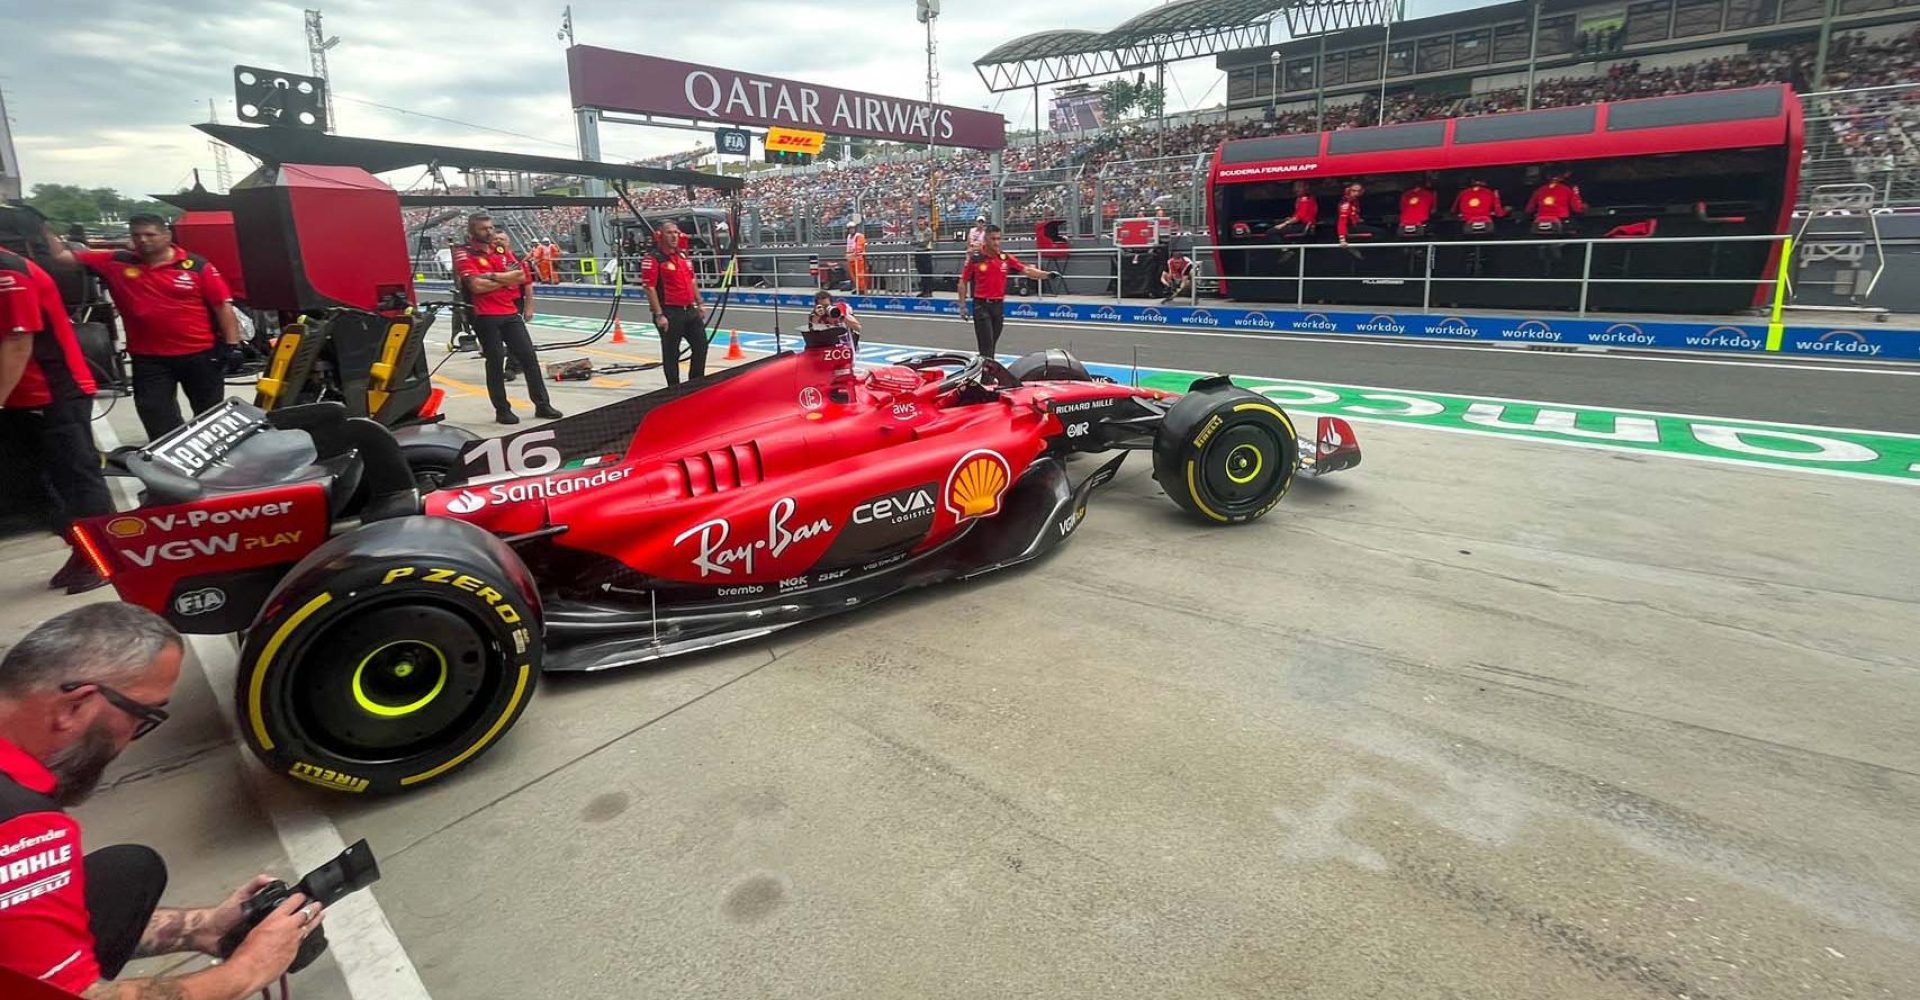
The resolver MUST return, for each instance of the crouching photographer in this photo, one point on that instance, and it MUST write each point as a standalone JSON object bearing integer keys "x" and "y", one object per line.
{"x": 73, "y": 693}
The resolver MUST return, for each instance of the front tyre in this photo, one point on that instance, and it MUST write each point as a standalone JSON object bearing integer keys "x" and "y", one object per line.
{"x": 1225, "y": 454}
{"x": 390, "y": 657}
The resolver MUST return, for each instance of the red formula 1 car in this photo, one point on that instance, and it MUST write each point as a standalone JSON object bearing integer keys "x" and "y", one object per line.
{"x": 390, "y": 639}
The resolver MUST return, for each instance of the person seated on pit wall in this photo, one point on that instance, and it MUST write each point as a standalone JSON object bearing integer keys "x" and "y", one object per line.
{"x": 73, "y": 693}
{"x": 1177, "y": 276}
{"x": 822, "y": 318}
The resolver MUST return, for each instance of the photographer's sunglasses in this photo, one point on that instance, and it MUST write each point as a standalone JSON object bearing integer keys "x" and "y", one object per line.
{"x": 149, "y": 717}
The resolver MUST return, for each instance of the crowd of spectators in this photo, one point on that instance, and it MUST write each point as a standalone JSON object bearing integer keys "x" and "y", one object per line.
{"x": 1137, "y": 168}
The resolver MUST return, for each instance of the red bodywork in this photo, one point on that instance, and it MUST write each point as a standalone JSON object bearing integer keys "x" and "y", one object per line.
{"x": 764, "y": 477}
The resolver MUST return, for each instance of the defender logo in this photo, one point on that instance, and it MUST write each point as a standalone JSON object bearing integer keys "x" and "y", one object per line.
{"x": 1254, "y": 320}
{"x": 977, "y": 482}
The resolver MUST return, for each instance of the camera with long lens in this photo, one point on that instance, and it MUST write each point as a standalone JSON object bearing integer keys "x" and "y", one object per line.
{"x": 352, "y": 871}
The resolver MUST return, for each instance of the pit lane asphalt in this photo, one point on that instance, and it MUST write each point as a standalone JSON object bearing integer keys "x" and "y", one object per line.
{"x": 1484, "y": 718}
{"x": 1868, "y": 396}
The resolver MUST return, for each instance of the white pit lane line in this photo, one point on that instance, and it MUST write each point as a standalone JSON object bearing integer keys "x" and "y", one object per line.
{"x": 364, "y": 947}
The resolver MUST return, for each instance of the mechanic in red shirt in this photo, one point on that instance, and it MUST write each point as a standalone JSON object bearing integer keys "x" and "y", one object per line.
{"x": 1177, "y": 278}
{"x": 983, "y": 289}
{"x": 1476, "y": 206}
{"x": 1416, "y": 208}
{"x": 1555, "y": 202}
{"x": 678, "y": 316}
{"x": 73, "y": 693}
{"x": 46, "y": 404}
{"x": 1306, "y": 212}
{"x": 178, "y": 314}
{"x": 498, "y": 284}
{"x": 1350, "y": 223}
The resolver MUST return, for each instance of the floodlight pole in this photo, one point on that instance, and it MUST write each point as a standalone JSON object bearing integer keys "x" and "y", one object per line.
{"x": 586, "y": 124}
{"x": 1533, "y": 50}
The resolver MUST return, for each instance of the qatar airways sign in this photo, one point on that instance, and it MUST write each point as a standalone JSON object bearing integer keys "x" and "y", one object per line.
{"x": 648, "y": 85}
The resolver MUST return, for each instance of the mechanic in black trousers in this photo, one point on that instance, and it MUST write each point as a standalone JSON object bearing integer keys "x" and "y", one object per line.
{"x": 497, "y": 282}
{"x": 983, "y": 288}
{"x": 923, "y": 261}
{"x": 47, "y": 394}
{"x": 667, "y": 273}
{"x": 74, "y": 692}
{"x": 178, "y": 313}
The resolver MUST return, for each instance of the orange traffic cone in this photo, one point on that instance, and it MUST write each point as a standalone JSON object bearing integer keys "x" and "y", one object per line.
{"x": 733, "y": 346}
{"x": 619, "y": 333}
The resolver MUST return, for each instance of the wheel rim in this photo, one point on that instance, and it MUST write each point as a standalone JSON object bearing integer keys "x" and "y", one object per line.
{"x": 1241, "y": 465}
{"x": 392, "y": 680}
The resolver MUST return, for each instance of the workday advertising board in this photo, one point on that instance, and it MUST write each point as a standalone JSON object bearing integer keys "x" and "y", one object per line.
{"x": 629, "y": 82}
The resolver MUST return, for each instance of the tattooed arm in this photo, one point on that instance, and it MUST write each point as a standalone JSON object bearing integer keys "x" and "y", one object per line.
{"x": 175, "y": 930}
{"x": 262, "y": 958}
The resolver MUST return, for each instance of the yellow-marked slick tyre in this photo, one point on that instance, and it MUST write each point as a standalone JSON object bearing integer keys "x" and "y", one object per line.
{"x": 391, "y": 657}
{"x": 1225, "y": 454}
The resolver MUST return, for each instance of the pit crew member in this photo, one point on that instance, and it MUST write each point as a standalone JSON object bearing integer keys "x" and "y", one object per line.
{"x": 1350, "y": 223}
{"x": 1177, "y": 276}
{"x": 496, "y": 280}
{"x": 46, "y": 403}
{"x": 178, "y": 313}
{"x": 73, "y": 693}
{"x": 983, "y": 288}
{"x": 1476, "y": 206}
{"x": 1306, "y": 213}
{"x": 667, "y": 273}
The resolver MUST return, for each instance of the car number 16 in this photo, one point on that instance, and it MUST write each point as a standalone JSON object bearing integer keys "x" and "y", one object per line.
{"x": 529, "y": 454}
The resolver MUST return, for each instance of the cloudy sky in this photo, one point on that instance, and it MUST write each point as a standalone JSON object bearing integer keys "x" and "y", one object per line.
{"x": 101, "y": 92}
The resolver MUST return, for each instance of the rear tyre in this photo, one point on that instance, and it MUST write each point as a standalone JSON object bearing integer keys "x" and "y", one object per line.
{"x": 1225, "y": 454}
{"x": 390, "y": 657}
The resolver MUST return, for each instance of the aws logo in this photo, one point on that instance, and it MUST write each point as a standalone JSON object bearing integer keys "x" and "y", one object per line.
{"x": 1106, "y": 313}
{"x": 1381, "y": 324}
{"x": 1254, "y": 321}
{"x": 1316, "y": 322}
{"x": 1453, "y": 326}
{"x": 1150, "y": 315}
{"x": 1199, "y": 317}
{"x": 976, "y": 484}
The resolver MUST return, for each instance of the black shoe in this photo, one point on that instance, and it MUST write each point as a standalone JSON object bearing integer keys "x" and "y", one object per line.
{"x": 69, "y": 572}
{"x": 545, "y": 411}
{"x": 505, "y": 417}
{"x": 87, "y": 579}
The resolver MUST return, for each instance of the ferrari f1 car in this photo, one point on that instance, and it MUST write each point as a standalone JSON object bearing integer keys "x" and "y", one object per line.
{"x": 390, "y": 638}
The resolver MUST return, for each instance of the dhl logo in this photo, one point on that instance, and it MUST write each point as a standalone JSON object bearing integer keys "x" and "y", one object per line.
{"x": 796, "y": 140}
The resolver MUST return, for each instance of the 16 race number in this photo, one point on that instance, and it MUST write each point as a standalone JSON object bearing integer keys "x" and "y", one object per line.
{"x": 529, "y": 454}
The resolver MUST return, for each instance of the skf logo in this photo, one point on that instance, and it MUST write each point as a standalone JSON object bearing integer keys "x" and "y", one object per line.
{"x": 126, "y": 527}
{"x": 976, "y": 484}
{"x": 1199, "y": 317}
{"x": 326, "y": 778}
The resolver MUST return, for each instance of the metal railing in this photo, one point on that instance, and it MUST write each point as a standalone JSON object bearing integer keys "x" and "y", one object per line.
{"x": 896, "y": 270}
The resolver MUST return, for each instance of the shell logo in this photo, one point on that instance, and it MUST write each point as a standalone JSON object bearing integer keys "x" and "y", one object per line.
{"x": 126, "y": 527}
{"x": 977, "y": 483}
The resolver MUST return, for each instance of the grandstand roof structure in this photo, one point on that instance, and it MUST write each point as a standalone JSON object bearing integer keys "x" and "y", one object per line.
{"x": 1184, "y": 29}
